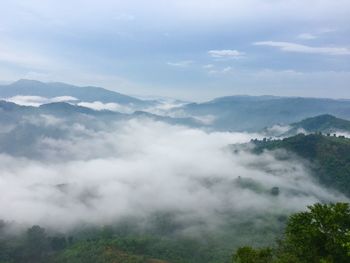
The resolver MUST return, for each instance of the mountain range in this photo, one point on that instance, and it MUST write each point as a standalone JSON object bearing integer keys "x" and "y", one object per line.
{"x": 246, "y": 113}
{"x": 26, "y": 87}
{"x": 233, "y": 113}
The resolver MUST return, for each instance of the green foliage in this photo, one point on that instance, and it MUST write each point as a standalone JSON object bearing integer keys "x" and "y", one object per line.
{"x": 36, "y": 245}
{"x": 319, "y": 235}
{"x": 329, "y": 155}
{"x": 101, "y": 251}
{"x": 322, "y": 123}
{"x": 250, "y": 255}
{"x": 112, "y": 243}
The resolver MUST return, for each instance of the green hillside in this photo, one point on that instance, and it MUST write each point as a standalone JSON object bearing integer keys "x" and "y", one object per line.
{"x": 322, "y": 123}
{"x": 330, "y": 156}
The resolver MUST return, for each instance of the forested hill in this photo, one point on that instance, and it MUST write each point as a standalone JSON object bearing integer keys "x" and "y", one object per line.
{"x": 329, "y": 154}
{"x": 323, "y": 123}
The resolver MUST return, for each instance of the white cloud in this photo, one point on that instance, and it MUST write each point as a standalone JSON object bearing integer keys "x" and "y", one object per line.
{"x": 138, "y": 167}
{"x": 36, "y": 101}
{"x": 298, "y": 48}
{"x": 98, "y": 105}
{"x": 205, "y": 119}
{"x": 63, "y": 99}
{"x": 208, "y": 66}
{"x": 43, "y": 120}
{"x": 306, "y": 36}
{"x": 181, "y": 64}
{"x": 277, "y": 130}
{"x": 225, "y": 53}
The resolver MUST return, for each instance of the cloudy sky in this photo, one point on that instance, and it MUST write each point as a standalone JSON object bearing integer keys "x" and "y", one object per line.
{"x": 190, "y": 49}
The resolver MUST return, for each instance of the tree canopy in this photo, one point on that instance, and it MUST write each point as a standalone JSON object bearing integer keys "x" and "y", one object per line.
{"x": 319, "y": 235}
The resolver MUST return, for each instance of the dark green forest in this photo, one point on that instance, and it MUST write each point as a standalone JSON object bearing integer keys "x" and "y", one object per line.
{"x": 319, "y": 235}
{"x": 128, "y": 242}
{"x": 328, "y": 154}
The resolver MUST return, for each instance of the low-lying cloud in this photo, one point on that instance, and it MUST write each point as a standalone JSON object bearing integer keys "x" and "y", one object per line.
{"x": 138, "y": 167}
{"x": 111, "y": 106}
{"x": 36, "y": 101}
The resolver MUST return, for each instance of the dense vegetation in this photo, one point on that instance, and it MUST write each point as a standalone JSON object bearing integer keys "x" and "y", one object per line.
{"x": 329, "y": 155}
{"x": 323, "y": 123}
{"x": 127, "y": 242}
{"x": 319, "y": 235}
{"x": 91, "y": 245}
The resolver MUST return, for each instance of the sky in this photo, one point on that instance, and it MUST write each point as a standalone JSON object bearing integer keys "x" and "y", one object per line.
{"x": 188, "y": 49}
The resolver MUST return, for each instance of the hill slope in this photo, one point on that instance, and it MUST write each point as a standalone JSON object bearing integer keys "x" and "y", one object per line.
{"x": 326, "y": 123}
{"x": 323, "y": 123}
{"x": 330, "y": 156}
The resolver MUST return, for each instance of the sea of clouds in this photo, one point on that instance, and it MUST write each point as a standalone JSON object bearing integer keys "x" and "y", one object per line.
{"x": 100, "y": 174}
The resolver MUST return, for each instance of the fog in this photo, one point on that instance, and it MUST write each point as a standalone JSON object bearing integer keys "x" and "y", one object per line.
{"x": 134, "y": 168}
{"x": 36, "y": 101}
{"x": 163, "y": 107}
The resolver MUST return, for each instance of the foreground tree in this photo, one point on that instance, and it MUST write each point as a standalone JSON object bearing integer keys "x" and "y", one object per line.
{"x": 319, "y": 235}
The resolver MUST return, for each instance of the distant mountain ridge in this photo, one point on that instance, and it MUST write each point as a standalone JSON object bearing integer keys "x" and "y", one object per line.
{"x": 231, "y": 113}
{"x": 61, "y": 109}
{"x": 249, "y": 113}
{"x": 56, "y": 89}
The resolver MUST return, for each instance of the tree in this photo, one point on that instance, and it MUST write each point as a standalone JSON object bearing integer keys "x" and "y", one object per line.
{"x": 320, "y": 234}
{"x": 36, "y": 244}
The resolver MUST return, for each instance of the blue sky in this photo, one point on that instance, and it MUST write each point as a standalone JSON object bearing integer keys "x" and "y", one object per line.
{"x": 189, "y": 49}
